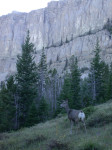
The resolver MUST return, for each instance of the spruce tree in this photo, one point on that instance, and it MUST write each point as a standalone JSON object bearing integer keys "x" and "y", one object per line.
{"x": 32, "y": 118}
{"x": 3, "y": 108}
{"x": 85, "y": 93}
{"x": 7, "y": 105}
{"x": 53, "y": 89}
{"x": 43, "y": 110}
{"x": 27, "y": 78}
{"x": 110, "y": 83}
{"x": 42, "y": 72}
{"x": 104, "y": 95}
{"x": 95, "y": 73}
{"x": 66, "y": 89}
{"x": 75, "y": 84}
{"x": 65, "y": 93}
{"x": 98, "y": 77}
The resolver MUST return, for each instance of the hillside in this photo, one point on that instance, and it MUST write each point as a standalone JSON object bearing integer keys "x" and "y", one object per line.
{"x": 55, "y": 135}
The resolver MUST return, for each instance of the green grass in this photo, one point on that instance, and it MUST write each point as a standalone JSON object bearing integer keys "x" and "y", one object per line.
{"x": 55, "y": 134}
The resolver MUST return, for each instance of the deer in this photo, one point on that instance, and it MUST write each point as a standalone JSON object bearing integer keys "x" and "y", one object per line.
{"x": 74, "y": 115}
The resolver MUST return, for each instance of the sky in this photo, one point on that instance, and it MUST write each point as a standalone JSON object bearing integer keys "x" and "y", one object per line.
{"x": 7, "y": 6}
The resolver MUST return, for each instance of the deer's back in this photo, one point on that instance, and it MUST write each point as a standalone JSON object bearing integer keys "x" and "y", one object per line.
{"x": 73, "y": 114}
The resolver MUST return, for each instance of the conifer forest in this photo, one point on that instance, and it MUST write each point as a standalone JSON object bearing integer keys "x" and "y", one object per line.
{"x": 34, "y": 93}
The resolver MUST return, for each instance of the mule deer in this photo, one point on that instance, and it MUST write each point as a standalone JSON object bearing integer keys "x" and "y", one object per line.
{"x": 74, "y": 115}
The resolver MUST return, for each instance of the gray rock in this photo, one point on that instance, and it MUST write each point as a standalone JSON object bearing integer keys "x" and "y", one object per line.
{"x": 65, "y": 28}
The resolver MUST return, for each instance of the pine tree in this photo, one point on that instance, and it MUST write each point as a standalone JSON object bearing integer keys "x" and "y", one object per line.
{"x": 85, "y": 93}
{"x": 65, "y": 93}
{"x": 110, "y": 83}
{"x": 42, "y": 69}
{"x": 43, "y": 110}
{"x": 99, "y": 77}
{"x": 75, "y": 84}
{"x": 66, "y": 89}
{"x": 27, "y": 78}
{"x": 32, "y": 115}
{"x": 95, "y": 73}
{"x": 7, "y": 105}
{"x": 53, "y": 89}
{"x": 104, "y": 95}
{"x": 3, "y": 108}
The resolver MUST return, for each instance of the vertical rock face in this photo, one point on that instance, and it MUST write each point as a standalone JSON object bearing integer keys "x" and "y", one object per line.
{"x": 64, "y": 28}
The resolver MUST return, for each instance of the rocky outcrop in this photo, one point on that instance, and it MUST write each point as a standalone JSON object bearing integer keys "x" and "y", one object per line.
{"x": 64, "y": 28}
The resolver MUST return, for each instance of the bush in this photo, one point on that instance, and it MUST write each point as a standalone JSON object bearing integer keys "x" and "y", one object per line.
{"x": 39, "y": 139}
{"x": 57, "y": 145}
{"x": 91, "y": 146}
{"x": 89, "y": 111}
{"x": 100, "y": 117}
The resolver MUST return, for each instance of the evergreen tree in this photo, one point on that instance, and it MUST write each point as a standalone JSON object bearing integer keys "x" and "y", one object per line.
{"x": 43, "y": 110}
{"x": 32, "y": 115}
{"x": 65, "y": 93}
{"x": 104, "y": 95}
{"x": 95, "y": 73}
{"x": 85, "y": 93}
{"x": 99, "y": 77}
{"x": 42, "y": 70}
{"x": 75, "y": 84}
{"x": 71, "y": 87}
{"x": 53, "y": 89}
{"x": 26, "y": 79}
{"x": 7, "y": 105}
{"x": 110, "y": 83}
{"x": 54, "y": 85}
{"x": 66, "y": 89}
{"x": 3, "y": 108}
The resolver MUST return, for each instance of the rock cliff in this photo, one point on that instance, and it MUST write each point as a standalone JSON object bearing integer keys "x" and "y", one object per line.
{"x": 64, "y": 28}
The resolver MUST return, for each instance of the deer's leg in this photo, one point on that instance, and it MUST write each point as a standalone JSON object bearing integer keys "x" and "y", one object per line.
{"x": 77, "y": 126}
{"x": 84, "y": 126}
{"x": 71, "y": 122}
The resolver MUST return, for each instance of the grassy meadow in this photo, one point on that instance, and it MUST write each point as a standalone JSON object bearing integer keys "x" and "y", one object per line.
{"x": 55, "y": 134}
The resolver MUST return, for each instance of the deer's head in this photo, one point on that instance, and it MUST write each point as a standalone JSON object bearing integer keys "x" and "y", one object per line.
{"x": 64, "y": 104}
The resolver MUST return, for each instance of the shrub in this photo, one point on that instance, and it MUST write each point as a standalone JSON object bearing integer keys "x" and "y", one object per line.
{"x": 57, "y": 145}
{"x": 40, "y": 138}
{"x": 91, "y": 146}
{"x": 3, "y": 136}
{"x": 100, "y": 117}
{"x": 89, "y": 110}
{"x": 3, "y": 147}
